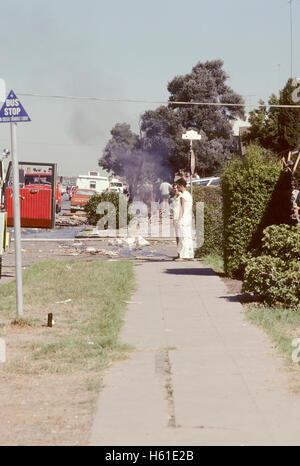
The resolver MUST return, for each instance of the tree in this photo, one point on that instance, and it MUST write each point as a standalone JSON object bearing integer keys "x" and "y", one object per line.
{"x": 160, "y": 151}
{"x": 276, "y": 129}
{"x": 288, "y": 119}
{"x": 122, "y": 154}
{"x": 206, "y": 83}
{"x": 161, "y": 139}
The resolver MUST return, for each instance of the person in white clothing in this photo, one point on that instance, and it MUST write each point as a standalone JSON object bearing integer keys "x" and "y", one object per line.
{"x": 185, "y": 221}
{"x": 165, "y": 189}
{"x": 176, "y": 205}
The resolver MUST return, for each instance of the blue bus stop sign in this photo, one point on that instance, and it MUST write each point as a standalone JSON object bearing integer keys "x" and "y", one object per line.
{"x": 12, "y": 110}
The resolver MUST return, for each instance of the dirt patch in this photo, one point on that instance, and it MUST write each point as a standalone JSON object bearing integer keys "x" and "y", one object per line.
{"x": 46, "y": 410}
{"x": 42, "y": 407}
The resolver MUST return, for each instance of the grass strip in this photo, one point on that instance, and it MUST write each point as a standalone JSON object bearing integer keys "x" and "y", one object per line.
{"x": 87, "y": 303}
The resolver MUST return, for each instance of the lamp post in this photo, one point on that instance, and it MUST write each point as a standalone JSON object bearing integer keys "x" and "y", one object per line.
{"x": 191, "y": 136}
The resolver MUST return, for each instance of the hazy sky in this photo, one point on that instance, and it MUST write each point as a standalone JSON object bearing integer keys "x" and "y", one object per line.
{"x": 129, "y": 49}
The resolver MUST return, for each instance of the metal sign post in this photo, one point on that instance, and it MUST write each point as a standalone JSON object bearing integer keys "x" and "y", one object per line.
{"x": 191, "y": 136}
{"x": 12, "y": 112}
{"x": 17, "y": 221}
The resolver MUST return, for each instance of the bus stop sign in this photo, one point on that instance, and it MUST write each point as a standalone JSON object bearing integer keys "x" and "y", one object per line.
{"x": 12, "y": 110}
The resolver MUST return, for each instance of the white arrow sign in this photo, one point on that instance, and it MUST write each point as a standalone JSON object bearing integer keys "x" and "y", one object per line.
{"x": 191, "y": 135}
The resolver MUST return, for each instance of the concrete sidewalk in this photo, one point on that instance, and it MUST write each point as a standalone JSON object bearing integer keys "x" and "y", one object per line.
{"x": 200, "y": 373}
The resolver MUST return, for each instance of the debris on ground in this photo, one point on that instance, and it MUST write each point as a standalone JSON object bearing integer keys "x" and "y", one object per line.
{"x": 130, "y": 242}
{"x": 67, "y": 219}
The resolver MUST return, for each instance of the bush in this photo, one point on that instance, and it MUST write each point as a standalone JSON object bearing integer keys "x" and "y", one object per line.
{"x": 256, "y": 193}
{"x": 275, "y": 276}
{"x": 282, "y": 241}
{"x": 213, "y": 219}
{"x": 272, "y": 282}
{"x": 113, "y": 215}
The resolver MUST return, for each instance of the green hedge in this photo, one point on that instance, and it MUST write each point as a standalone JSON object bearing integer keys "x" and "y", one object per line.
{"x": 113, "y": 215}
{"x": 213, "y": 218}
{"x": 256, "y": 194}
{"x": 274, "y": 277}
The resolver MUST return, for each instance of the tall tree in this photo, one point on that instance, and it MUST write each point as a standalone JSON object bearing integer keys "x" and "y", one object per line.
{"x": 122, "y": 154}
{"x": 288, "y": 119}
{"x": 160, "y": 150}
{"x": 275, "y": 128}
{"x": 206, "y": 84}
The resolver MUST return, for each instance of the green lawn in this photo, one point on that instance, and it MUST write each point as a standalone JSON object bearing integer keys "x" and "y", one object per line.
{"x": 85, "y": 334}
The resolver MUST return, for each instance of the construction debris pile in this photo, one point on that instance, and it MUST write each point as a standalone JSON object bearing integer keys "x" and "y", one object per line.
{"x": 66, "y": 219}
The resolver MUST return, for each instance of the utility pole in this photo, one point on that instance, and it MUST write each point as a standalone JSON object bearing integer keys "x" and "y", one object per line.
{"x": 291, "y": 32}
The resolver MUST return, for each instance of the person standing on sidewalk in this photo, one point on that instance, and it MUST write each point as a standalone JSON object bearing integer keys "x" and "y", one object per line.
{"x": 165, "y": 189}
{"x": 185, "y": 221}
{"x": 176, "y": 212}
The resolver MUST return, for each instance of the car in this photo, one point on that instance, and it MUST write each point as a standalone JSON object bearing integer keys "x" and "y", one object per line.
{"x": 80, "y": 198}
{"x": 210, "y": 181}
{"x": 72, "y": 191}
{"x": 116, "y": 186}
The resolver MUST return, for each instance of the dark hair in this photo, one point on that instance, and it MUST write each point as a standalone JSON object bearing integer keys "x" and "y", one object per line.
{"x": 181, "y": 182}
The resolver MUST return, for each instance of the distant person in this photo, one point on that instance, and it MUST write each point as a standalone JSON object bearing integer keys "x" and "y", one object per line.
{"x": 156, "y": 190}
{"x": 182, "y": 174}
{"x": 185, "y": 221}
{"x": 147, "y": 196}
{"x": 165, "y": 189}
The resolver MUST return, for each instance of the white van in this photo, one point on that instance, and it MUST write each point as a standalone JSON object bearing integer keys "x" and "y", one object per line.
{"x": 211, "y": 181}
{"x": 116, "y": 186}
{"x": 93, "y": 181}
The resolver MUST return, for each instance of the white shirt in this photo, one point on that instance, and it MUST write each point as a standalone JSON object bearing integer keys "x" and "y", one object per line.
{"x": 165, "y": 188}
{"x": 176, "y": 207}
{"x": 188, "y": 207}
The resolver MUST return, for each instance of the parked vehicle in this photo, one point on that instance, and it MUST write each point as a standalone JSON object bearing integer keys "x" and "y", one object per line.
{"x": 116, "y": 186}
{"x": 93, "y": 181}
{"x": 72, "y": 191}
{"x": 210, "y": 181}
{"x": 80, "y": 198}
{"x": 42, "y": 180}
{"x": 40, "y": 196}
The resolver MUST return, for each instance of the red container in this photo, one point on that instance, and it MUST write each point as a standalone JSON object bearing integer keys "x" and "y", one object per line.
{"x": 35, "y": 207}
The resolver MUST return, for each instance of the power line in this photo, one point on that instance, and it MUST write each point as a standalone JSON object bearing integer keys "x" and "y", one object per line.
{"x": 160, "y": 102}
{"x": 56, "y": 144}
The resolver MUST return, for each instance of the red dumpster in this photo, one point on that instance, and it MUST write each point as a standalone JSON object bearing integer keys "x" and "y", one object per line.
{"x": 40, "y": 197}
{"x": 35, "y": 207}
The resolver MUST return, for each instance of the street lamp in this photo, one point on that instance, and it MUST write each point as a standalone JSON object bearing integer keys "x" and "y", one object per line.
{"x": 191, "y": 136}
{"x": 5, "y": 154}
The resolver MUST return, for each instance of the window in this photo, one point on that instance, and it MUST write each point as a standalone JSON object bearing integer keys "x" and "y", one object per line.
{"x": 215, "y": 182}
{"x": 84, "y": 192}
{"x": 37, "y": 179}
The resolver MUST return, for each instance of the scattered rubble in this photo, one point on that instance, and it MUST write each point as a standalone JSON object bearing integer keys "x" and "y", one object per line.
{"x": 67, "y": 219}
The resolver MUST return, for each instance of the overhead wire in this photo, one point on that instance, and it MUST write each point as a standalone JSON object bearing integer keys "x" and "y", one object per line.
{"x": 160, "y": 102}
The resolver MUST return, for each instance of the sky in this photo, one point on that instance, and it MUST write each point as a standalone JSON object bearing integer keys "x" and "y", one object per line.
{"x": 129, "y": 50}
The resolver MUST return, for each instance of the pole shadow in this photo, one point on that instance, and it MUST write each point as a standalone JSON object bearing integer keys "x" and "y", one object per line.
{"x": 197, "y": 271}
